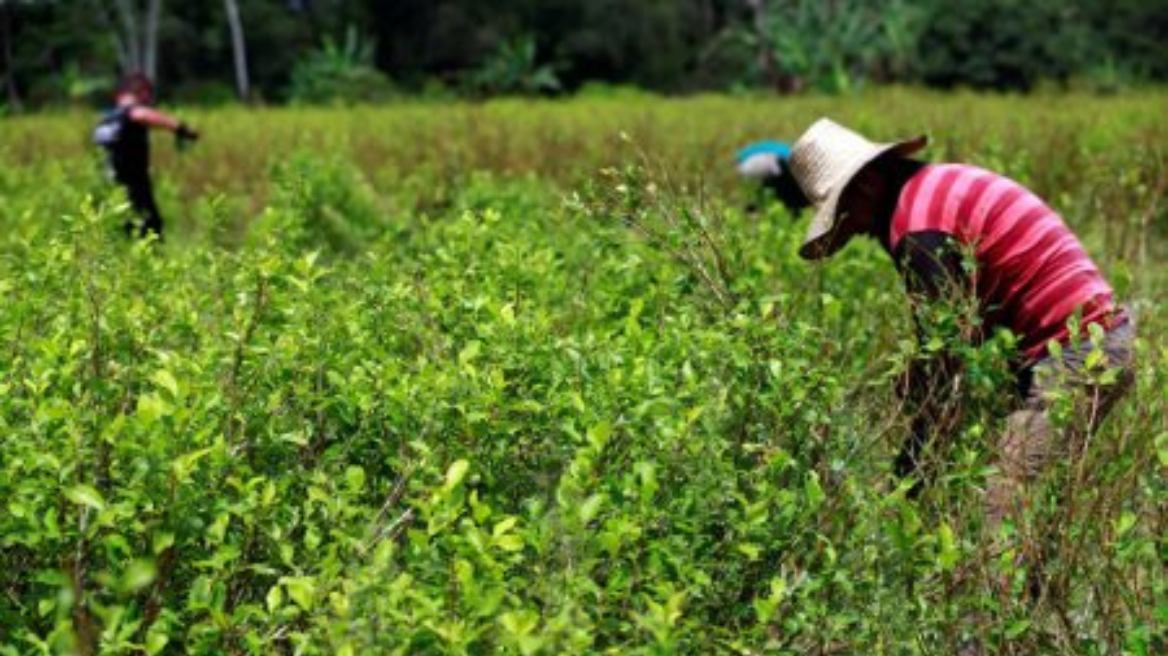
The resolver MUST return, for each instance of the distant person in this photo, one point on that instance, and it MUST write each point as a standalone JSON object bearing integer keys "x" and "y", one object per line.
{"x": 124, "y": 134}
{"x": 1029, "y": 274}
{"x": 767, "y": 162}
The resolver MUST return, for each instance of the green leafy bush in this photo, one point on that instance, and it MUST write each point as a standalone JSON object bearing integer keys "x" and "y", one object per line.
{"x": 969, "y": 44}
{"x": 487, "y": 379}
{"x": 341, "y": 73}
{"x": 513, "y": 69}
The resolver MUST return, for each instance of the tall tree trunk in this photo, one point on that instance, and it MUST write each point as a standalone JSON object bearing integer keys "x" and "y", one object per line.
{"x": 238, "y": 48}
{"x": 130, "y": 28}
{"x": 150, "y": 53}
{"x": 9, "y": 72}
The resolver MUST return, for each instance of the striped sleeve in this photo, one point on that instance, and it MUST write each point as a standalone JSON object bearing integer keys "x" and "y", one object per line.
{"x": 1032, "y": 272}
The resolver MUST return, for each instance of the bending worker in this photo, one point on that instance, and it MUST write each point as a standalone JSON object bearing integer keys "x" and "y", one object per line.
{"x": 767, "y": 162}
{"x": 1030, "y": 274}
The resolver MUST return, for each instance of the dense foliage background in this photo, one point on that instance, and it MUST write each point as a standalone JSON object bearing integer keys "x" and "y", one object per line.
{"x": 58, "y": 51}
{"x": 494, "y": 378}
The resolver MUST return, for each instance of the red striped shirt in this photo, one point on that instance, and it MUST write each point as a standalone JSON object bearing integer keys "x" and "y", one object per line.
{"x": 1032, "y": 273}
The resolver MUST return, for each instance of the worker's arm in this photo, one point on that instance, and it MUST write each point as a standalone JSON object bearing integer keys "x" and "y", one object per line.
{"x": 933, "y": 266}
{"x": 158, "y": 119}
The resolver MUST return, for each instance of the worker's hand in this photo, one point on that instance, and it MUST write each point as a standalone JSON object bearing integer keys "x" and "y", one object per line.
{"x": 185, "y": 132}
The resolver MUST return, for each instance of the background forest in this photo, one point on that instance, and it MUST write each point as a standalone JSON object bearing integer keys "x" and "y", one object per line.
{"x": 58, "y": 51}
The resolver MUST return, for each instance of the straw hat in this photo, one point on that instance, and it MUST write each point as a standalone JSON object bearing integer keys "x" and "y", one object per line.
{"x": 824, "y": 160}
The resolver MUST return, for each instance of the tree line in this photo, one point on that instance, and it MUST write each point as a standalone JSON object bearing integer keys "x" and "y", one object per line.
{"x": 61, "y": 51}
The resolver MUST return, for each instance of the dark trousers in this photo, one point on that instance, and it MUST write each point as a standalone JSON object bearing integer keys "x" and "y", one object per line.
{"x": 140, "y": 193}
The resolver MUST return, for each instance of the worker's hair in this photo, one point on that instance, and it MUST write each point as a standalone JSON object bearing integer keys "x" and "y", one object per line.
{"x": 137, "y": 84}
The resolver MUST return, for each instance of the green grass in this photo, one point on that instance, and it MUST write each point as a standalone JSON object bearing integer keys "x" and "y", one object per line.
{"x": 404, "y": 380}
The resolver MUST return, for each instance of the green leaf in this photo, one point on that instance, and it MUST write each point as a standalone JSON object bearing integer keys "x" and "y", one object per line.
{"x": 778, "y": 588}
{"x": 1125, "y": 523}
{"x": 1055, "y": 348}
{"x": 302, "y": 591}
{"x": 151, "y": 408}
{"x": 275, "y": 598}
{"x": 504, "y": 526}
{"x": 751, "y": 551}
{"x": 84, "y": 495}
{"x": 1097, "y": 334}
{"x": 166, "y": 381}
{"x": 455, "y": 474}
{"x": 470, "y": 351}
{"x": 590, "y": 508}
{"x": 521, "y": 628}
{"x": 507, "y": 314}
{"x": 510, "y": 542}
{"x": 156, "y": 641}
{"x": 519, "y": 622}
{"x": 162, "y": 542}
{"x": 598, "y": 434}
{"x": 138, "y": 575}
{"x": 1095, "y": 359}
{"x": 948, "y": 554}
{"x": 184, "y": 465}
{"x": 1017, "y": 628}
{"x": 647, "y": 472}
{"x": 813, "y": 490}
{"x": 355, "y": 478}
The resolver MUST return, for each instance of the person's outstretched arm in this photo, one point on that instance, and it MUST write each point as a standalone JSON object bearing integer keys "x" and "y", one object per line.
{"x": 159, "y": 119}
